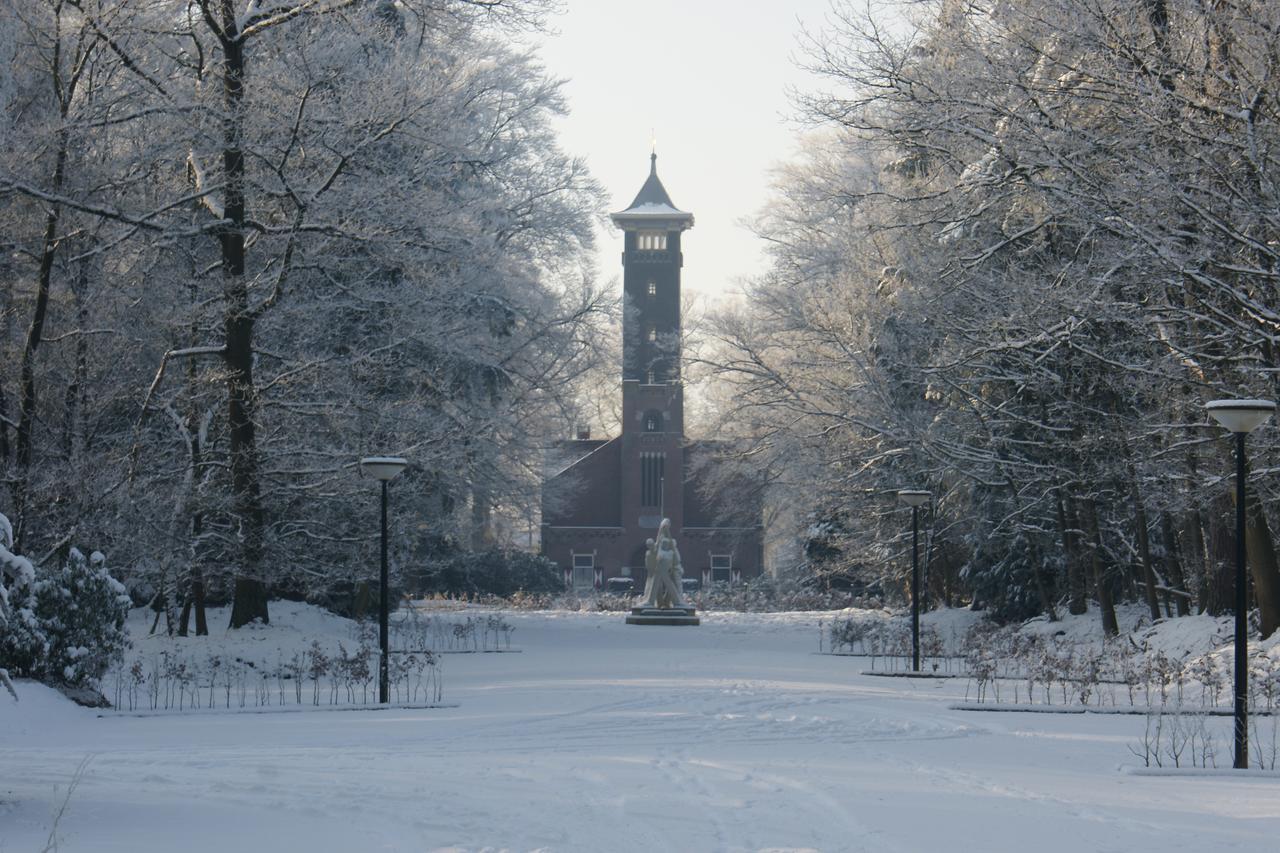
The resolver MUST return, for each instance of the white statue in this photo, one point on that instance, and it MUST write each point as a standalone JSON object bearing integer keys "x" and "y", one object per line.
{"x": 662, "y": 588}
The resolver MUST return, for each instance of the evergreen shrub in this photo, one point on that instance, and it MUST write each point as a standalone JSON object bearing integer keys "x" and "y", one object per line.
{"x": 66, "y": 627}
{"x": 495, "y": 571}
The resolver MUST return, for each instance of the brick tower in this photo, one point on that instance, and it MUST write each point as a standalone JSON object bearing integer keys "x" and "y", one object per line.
{"x": 603, "y": 497}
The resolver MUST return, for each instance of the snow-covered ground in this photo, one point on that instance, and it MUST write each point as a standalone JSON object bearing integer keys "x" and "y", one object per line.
{"x": 605, "y": 737}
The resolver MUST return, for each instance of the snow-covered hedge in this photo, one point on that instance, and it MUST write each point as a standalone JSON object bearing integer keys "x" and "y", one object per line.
{"x": 764, "y": 594}
{"x": 760, "y": 595}
{"x": 194, "y": 679}
{"x": 494, "y": 572}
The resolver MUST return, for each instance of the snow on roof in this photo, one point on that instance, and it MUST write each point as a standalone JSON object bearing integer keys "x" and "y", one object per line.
{"x": 665, "y": 211}
{"x": 652, "y": 202}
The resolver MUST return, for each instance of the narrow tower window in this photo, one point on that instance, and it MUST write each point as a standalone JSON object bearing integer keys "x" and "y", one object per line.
{"x": 653, "y": 334}
{"x": 653, "y": 288}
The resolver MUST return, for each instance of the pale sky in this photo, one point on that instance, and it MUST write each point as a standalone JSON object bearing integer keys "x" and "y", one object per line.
{"x": 709, "y": 80}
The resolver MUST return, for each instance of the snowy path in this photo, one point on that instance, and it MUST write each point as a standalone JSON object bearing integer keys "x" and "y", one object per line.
{"x": 602, "y": 737}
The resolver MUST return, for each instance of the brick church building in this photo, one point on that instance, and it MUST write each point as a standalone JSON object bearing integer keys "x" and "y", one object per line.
{"x": 604, "y": 497}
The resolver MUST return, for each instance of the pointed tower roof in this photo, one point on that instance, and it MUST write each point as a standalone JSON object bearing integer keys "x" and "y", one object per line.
{"x": 653, "y": 192}
{"x": 652, "y": 206}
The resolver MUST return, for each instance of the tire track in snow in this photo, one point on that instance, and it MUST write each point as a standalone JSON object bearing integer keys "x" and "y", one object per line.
{"x": 674, "y": 764}
{"x": 734, "y": 713}
{"x": 988, "y": 785}
{"x": 824, "y": 806}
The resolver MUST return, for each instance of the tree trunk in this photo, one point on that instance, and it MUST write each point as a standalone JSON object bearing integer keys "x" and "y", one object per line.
{"x": 160, "y": 603}
{"x": 1110, "y": 625}
{"x": 6, "y": 334}
{"x": 73, "y": 437}
{"x": 197, "y": 592}
{"x": 1149, "y": 581}
{"x": 65, "y": 75}
{"x": 1067, "y": 525}
{"x": 1173, "y": 564}
{"x": 250, "y": 596}
{"x": 481, "y": 518}
{"x": 4, "y": 402}
{"x": 35, "y": 334}
{"x": 1196, "y": 550}
{"x": 941, "y": 573}
{"x": 195, "y": 437}
{"x": 1262, "y": 564}
{"x": 1198, "y": 558}
{"x": 1220, "y": 559}
{"x": 1042, "y": 584}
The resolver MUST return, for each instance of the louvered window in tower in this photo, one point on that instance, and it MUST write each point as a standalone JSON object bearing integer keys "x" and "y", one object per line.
{"x": 651, "y": 241}
{"x": 651, "y": 478}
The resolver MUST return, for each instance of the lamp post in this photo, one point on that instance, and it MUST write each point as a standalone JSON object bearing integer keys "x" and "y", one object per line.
{"x": 1241, "y": 417}
{"x": 385, "y": 469}
{"x": 915, "y": 498}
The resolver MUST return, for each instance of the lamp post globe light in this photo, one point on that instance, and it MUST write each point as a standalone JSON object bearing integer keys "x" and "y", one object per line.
{"x": 384, "y": 469}
{"x": 915, "y": 498}
{"x": 1241, "y": 417}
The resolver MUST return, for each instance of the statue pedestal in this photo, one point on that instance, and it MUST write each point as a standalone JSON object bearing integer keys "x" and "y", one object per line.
{"x": 663, "y": 616}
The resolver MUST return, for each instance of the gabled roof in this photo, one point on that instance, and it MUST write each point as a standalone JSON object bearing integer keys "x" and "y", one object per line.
{"x": 563, "y": 455}
{"x": 584, "y": 492}
{"x": 653, "y": 205}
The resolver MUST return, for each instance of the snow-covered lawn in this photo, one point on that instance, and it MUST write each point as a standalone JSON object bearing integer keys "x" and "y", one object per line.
{"x": 605, "y": 737}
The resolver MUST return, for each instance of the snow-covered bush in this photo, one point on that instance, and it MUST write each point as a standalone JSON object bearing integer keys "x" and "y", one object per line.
{"x": 849, "y": 635}
{"x": 16, "y": 575}
{"x": 765, "y": 594}
{"x": 760, "y": 595}
{"x": 418, "y": 632}
{"x": 1176, "y": 737}
{"x": 23, "y": 641}
{"x": 66, "y": 627}
{"x": 15, "y": 572}
{"x": 178, "y": 679}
